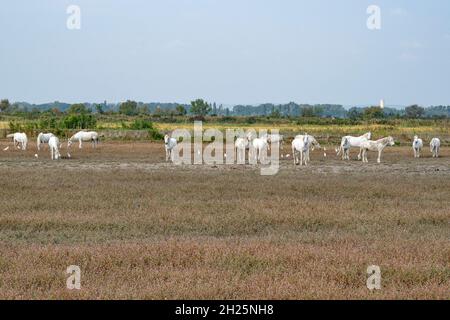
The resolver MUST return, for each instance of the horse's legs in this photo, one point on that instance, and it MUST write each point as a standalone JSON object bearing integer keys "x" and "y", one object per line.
{"x": 379, "y": 156}
{"x": 293, "y": 155}
{"x": 79, "y": 144}
{"x": 359, "y": 155}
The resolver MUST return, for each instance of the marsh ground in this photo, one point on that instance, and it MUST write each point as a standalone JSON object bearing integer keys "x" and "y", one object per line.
{"x": 141, "y": 228}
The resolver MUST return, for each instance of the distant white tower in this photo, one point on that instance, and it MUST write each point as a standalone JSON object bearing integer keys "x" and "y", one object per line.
{"x": 382, "y": 103}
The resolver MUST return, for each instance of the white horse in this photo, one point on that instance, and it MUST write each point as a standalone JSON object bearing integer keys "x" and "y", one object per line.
{"x": 435, "y": 146}
{"x": 301, "y": 144}
{"x": 312, "y": 142}
{"x": 43, "y": 138}
{"x": 349, "y": 142}
{"x": 84, "y": 136}
{"x": 260, "y": 145}
{"x": 417, "y": 146}
{"x": 241, "y": 145}
{"x": 169, "y": 144}
{"x": 19, "y": 138}
{"x": 275, "y": 138}
{"x": 378, "y": 145}
{"x": 344, "y": 148}
{"x": 53, "y": 144}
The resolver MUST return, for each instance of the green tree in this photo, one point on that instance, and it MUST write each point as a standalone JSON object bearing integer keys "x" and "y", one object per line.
{"x": 414, "y": 111}
{"x": 354, "y": 113}
{"x": 129, "y": 108}
{"x": 78, "y": 108}
{"x": 143, "y": 109}
{"x": 275, "y": 114}
{"x": 99, "y": 108}
{"x": 308, "y": 112}
{"x": 181, "y": 110}
{"x": 373, "y": 113}
{"x": 200, "y": 108}
{"x": 4, "y": 105}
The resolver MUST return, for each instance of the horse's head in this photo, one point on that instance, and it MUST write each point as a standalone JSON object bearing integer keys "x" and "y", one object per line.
{"x": 69, "y": 143}
{"x": 416, "y": 138}
{"x": 391, "y": 141}
{"x": 315, "y": 144}
{"x": 166, "y": 139}
{"x": 367, "y": 135}
{"x": 305, "y": 139}
{"x": 251, "y": 135}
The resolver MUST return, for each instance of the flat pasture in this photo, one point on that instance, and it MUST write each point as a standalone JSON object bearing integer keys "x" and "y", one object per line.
{"x": 144, "y": 229}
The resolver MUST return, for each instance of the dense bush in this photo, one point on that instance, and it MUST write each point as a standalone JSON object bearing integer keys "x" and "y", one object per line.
{"x": 143, "y": 124}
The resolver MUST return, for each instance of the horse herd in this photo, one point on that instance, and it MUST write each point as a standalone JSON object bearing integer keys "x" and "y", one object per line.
{"x": 20, "y": 141}
{"x": 257, "y": 146}
{"x": 302, "y": 144}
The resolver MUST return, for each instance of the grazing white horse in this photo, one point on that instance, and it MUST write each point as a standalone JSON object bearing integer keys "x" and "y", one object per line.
{"x": 43, "y": 138}
{"x": 53, "y": 144}
{"x": 417, "y": 146}
{"x": 169, "y": 144}
{"x": 84, "y": 136}
{"x": 352, "y": 142}
{"x": 435, "y": 146}
{"x": 378, "y": 145}
{"x": 312, "y": 143}
{"x": 241, "y": 145}
{"x": 19, "y": 138}
{"x": 301, "y": 144}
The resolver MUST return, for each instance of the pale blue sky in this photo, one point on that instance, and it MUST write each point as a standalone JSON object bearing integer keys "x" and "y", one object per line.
{"x": 228, "y": 51}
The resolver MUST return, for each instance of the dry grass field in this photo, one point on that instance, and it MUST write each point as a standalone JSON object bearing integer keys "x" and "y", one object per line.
{"x": 143, "y": 229}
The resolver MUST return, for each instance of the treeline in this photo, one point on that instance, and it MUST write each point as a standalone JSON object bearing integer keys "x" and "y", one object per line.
{"x": 201, "y": 108}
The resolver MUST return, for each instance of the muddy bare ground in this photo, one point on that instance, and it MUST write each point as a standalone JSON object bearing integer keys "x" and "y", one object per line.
{"x": 151, "y": 156}
{"x": 142, "y": 228}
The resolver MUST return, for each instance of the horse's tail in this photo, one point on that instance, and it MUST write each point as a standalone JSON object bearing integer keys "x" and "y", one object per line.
{"x": 433, "y": 146}
{"x": 11, "y": 135}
